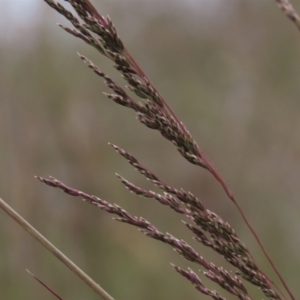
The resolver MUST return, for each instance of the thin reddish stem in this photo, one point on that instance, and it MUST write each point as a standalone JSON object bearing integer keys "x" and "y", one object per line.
{"x": 230, "y": 195}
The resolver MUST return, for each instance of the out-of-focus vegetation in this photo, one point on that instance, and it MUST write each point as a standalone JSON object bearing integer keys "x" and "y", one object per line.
{"x": 231, "y": 71}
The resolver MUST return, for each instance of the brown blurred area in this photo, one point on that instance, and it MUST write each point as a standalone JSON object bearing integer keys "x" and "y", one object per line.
{"x": 231, "y": 71}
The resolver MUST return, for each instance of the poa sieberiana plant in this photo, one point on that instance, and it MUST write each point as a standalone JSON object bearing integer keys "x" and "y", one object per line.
{"x": 153, "y": 111}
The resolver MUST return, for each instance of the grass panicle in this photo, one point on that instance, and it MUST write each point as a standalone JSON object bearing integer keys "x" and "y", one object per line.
{"x": 139, "y": 94}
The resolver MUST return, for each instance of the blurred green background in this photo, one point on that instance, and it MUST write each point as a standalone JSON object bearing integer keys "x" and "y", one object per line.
{"x": 230, "y": 69}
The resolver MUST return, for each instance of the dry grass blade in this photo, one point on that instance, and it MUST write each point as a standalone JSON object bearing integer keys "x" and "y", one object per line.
{"x": 57, "y": 253}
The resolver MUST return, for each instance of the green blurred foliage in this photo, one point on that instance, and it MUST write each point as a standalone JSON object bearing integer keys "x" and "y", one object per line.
{"x": 230, "y": 69}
